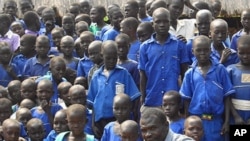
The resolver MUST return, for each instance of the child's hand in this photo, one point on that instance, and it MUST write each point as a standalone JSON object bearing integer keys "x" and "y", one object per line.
{"x": 11, "y": 71}
{"x": 225, "y": 53}
{"x": 182, "y": 38}
{"x": 225, "y": 129}
{"x": 45, "y": 105}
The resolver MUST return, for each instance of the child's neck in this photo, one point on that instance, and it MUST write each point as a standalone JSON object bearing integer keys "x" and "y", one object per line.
{"x": 174, "y": 118}
{"x": 161, "y": 38}
{"x": 247, "y": 31}
{"x": 100, "y": 24}
{"x": 173, "y": 23}
{"x": 80, "y": 137}
{"x": 133, "y": 38}
{"x": 142, "y": 16}
{"x": 68, "y": 58}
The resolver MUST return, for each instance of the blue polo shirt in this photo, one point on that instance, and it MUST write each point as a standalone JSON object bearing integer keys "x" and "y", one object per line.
{"x": 20, "y": 61}
{"x": 235, "y": 38}
{"x": 34, "y": 68}
{"x": 133, "y": 52}
{"x": 84, "y": 65}
{"x": 5, "y": 78}
{"x": 110, "y": 34}
{"x": 162, "y": 65}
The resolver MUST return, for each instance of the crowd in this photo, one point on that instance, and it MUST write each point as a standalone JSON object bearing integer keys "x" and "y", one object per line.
{"x": 130, "y": 73}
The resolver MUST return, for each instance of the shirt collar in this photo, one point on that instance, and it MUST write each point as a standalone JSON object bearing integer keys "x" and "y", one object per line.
{"x": 170, "y": 37}
{"x": 8, "y": 34}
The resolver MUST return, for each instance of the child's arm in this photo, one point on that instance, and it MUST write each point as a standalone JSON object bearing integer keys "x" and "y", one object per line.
{"x": 237, "y": 118}
{"x": 47, "y": 109}
{"x": 143, "y": 83}
{"x": 225, "y": 54}
{"x": 186, "y": 106}
{"x": 11, "y": 72}
{"x": 94, "y": 128}
{"x": 225, "y": 127}
{"x": 135, "y": 109}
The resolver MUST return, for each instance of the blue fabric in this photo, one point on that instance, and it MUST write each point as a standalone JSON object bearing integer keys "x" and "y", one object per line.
{"x": 5, "y": 78}
{"x": 161, "y": 64}
{"x": 235, "y": 38}
{"x": 63, "y": 137}
{"x": 207, "y": 94}
{"x": 133, "y": 53}
{"x": 42, "y": 31}
{"x": 48, "y": 76}
{"x": 109, "y": 134}
{"x": 73, "y": 64}
{"x": 88, "y": 127}
{"x": 102, "y": 90}
{"x": 23, "y": 132}
{"x": 103, "y": 31}
{"x": 84, "y": 65}
{"x": 177, "y": 126}
{"x": 110, "y": 34}
{"x": 34, "y": 68}
{"x": 37, "y": 112}
{"x": 147, "y": 19}
{"x": 52, "y": 136}
{"x": 20, "y": 61}
{"x": 242, "y": 89}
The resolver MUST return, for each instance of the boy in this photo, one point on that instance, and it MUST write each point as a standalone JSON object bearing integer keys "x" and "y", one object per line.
{"x": 6, "y": 34}
{"x": 116, "y": 80}
{"x": 131, "y": 9}
{"x": 39, "y": 64}
{"x": 26, "y": 5}
{"x": 27, "y": 103}
{"x": 17, "y": 27}
{"x": 63, "y": 92}
{"x": 129, "y": 26}
{"x": 23, "y": 115}
{"x": 193, "y": 128}
{"x": 11, "y": 130}
{"x": 209, "y": 100}
{"x": 10, "y": 7}
{"x": 80, "y": 27}
{"x": 144, "y": 31}
{"x": 28, "y": 90}
{"x": 130, "y": 130}
{"x": 46, "y": 109}
{"x": 32, "y": 22}
{"x": 142, "y": 15}
{"x": 74, "y": 9}
{"x": 80, "y": 80}
{"x": 35, "y": 130}
{"x": 68, "y": 24}
{"x": 5, "y": 109}
{"x": 162, "y": 59}
{"x": 14, "y": 93}
{"x": 171, "y": 105}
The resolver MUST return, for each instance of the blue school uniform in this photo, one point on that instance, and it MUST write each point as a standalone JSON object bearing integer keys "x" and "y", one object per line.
{"x": 34, "y": 68}
{"x": 48, "y": 76}
{"x": 110, "y": 34}
{"x": 177, "y": 126}
{"x": 20, "y": 61}
{"x": 109, "y": 134}
{"x": 73, "y": 64}
{"x": 235, "y": 38}
{"x": 5, "y": 78}
{"x": 133, "y": 52}
{"x": 147, "y": 19}
{"x": 84, "y": 65}
{"x": 232, "y": 58}
{"x": 38, "y": 112}
{"x": 241, "y": 82}
{"x": 132, "y": 67}
{"x": 51, "y": 136}
{"x": 206, "y": 95}
{"x": 88, "y": 127}
{"x": 102, "y": 90}
{"x": 161, "y": 64}
{"x": 63, "y": 137}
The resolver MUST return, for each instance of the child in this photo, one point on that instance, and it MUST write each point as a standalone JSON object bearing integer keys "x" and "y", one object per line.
{"x": 74, "y": 9}
{"x": 209, "y": 100}
{"x": 127, "y": 28}
{"x": 16, "y": 27}
{"x": 85, "y": 63}
{"x": 123, "y": 44}
{"x": 162, "y": 53}
{"x": 35, "y": 130}
{"x": 63, "y": 92}
{"x": 3, "y": 92}
{"x": 245, "y": 16}
{"x": 32, "y": 22}
{"x": 12, "y": 39}
{"x": 10, "y": 7}
{"x": 79, "y": 51}
{"x": 116, "y": 80}
{"x": 221, "y": 53}
{"x": 14, "y": 92}
{"x": 171, "y": 105}
{"x": 144, "y": 31}
{"x": 28, "y": 90}
{"x": 76, "y": 117}
{"x": 8, "y": 70}
{"x": 39, "y": 64}
{"x": 57, "y": 34}
{"x": 95, "y": 56}
{"x": 216, "y": 8}
{"x": 67, "y": 47}
{"x": 27, "y": 103}
{"x": 26, "y": 5}
{"x": 23, "y": 115}
{"x": 46, "y": 110}
{"x": 85, "y": 6}
{"x": 81, "y": 81}
{"x": 121, "y": 110}
{"x": 11, "y": 130}
{"x": 5, "y": 109}
{"x": 80, "y": 27}
{"x": 59, "y": 126}
{"x": 27, "y": 50}
{"x": 129, "y": 130}
{"x": 68, "y": 24}
{"x": 57, "y": 69}
{"x": 83, "y": 17}
{"x": 193, "y": 128}
{"x": 142, "y": 15}
{"x": 131, "y": 9}
{"x": 239, "y": 74}
{"x": 116, "y": 17}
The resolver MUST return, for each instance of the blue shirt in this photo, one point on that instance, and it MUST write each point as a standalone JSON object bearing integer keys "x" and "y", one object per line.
{"x": 34, "y": 68}
{"x": 235, "y": 38}
{"x": 206, "y": 94}
{"x": 38, "y": 112}
{"x": 84, "y": 65}
{"x": 102, "y": 90}
{"x": 20, "y": 61}
{"x": 147, "y": 19}
{"x": 88, "y": 127}
{"x": 5, "y": 78}
{"x": 51, "y": 136}
{"x": 110, "y": 34}
{"x": 177, "y": 126}
{"x": 133, "y": 52}
{"x": 73, "y": 64}
{"x": 161, "y": 64}
{"x": 109, "y": 134}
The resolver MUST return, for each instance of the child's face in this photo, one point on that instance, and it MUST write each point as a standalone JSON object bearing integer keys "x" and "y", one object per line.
{"x": 85, "y": 7}
{"x": 27, "y": 91}
{"x": 161, "y": 23}
{"x": 77, "y": 97}
{"x": 57, "y": 36}
{"x": 76, "y": 123}
{"x": 24, "y": 118}
{"x": 18, "y": 29}
{"x": 216, "y": 8}
{"x": 81, "y": 81}
{"x": 15, "y": 93}
{"x": 142, "y": 7}
{"x": 11, "y": 133}
{"x": 176, "y": 9}
{"x": 68, "y": 23}
{"x": 170, "y": 106}
{"x": 44, "y": 92}
{"x": 121, "y": 110}
{"x": 94, "y": 15}
{"x": 142, "y": 34}
{"x": 25, "y": 6}
{"x": 130, "y": 11}
{"x": 36, "y": 132}
{"x": 110, "y": 59}
{"x": 60, "y": 123}
{"x": 64, "y": 94}
{"x": 203, "y": 24}
{"x": 74, "y": 10}
{"x": 95, "y": 55}
{"x": 218, "y": 33}
{"x": 201, "y": 51}
{"x": 116, "y": 19}
{"x": 48, "y": 20}
{"x": 244, "y": 53}
{"x": 5, "y": 54}
{"x": 80, "y": 28}
{"x": 194, "y": 129}
{"x": 85, "y": 41}
{"x": 124, "y": 28}
{"x": 42, "y": 47}
{"x": 10, "y": 8}
{"x": 245, "y": 20}
{"x": 67, "y": 47}
{"x": 58, "y": 70}
{"x": 5, "y": 112}
{"x": 25, "y": 47}
{"x": 128, "y": 135}
{"x": 123, "y": 48}
{"x": 79, "y": 50}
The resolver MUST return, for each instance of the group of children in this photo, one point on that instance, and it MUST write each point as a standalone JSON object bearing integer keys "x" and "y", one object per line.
{"x": 92, "y": 76}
